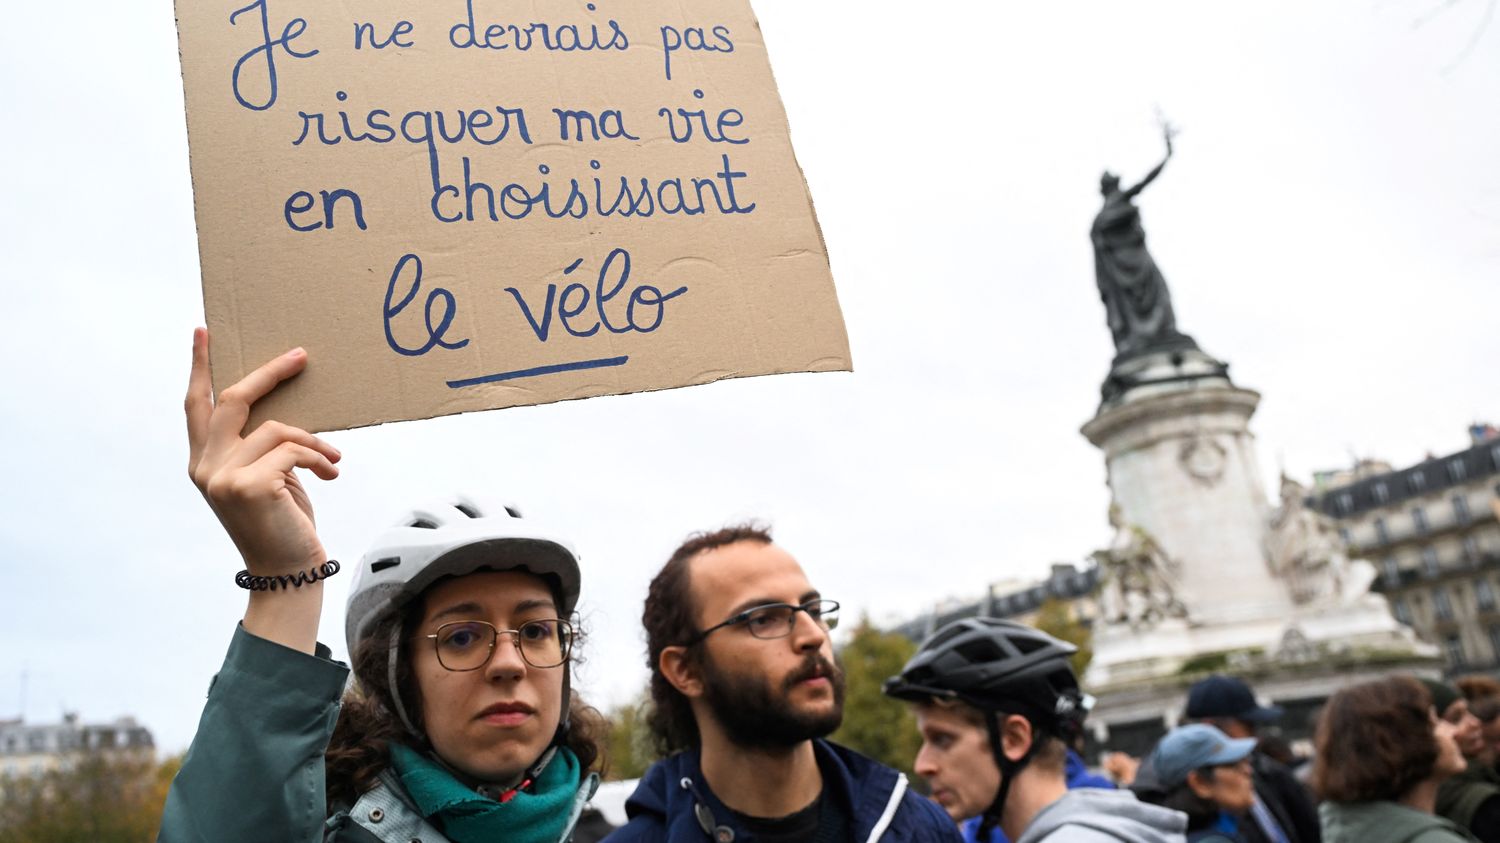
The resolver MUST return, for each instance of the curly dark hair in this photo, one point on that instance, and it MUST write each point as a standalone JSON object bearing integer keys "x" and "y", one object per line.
{"x": 669, "y": 619}
{"x": 1375, "y": 742}
{"x": 367, "y": 725}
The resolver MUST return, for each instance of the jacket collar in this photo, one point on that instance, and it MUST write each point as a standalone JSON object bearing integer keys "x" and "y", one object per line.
{"x": 388, "y": 812}
{"x": 675, "y": 791}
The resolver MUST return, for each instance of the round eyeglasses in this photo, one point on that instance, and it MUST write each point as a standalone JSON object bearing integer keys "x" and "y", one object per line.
{"x": 467, "y": 645}
{"x": 775, "y": 620}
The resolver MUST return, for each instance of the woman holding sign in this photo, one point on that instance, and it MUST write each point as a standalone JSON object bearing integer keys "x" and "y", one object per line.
{"x": 460, "y": 725}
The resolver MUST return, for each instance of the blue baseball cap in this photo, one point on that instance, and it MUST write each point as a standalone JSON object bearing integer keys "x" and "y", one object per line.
{"x": 1188, "y": 748}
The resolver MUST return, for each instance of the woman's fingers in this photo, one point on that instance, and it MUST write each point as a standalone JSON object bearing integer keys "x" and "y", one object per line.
{"x": 233, "y": 408}
{"x": 289, "y": 455}
{"x": 271, "y": 434}
{"x": 267, "y": 477}
{"x": 199, "y": 404}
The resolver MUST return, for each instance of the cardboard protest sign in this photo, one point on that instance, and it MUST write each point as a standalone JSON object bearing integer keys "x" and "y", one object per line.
{"x": 466, "y": 204}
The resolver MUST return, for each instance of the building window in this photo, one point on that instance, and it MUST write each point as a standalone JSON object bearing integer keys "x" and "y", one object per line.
{"x": 1495, "y": 455}
{"x": 1455, "y": 649}
{"x": 1461, "y": 509}
{"x": 1484, "y": 594}
{"x": 1471, "y": 550}
{"x": 1419, "y": 519}
{"x": 1430, "y": 562}
{"x": 1417, "y": 482}
{"x": 1346, "y": 499}
{"x": 1495, "y": 641}
{"x": 1401, "y": 611}
{"x": 1441, "y": 606}
{"x": 1382, "y": 493}
{"x": 1344, "y": 535}
{"x": 1382, "y": 535}
{"x": 1457, "y": 471}
{"x": 1391, "y": 571}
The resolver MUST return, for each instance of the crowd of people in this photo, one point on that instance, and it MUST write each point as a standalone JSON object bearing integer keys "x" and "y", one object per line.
{"x": 461, "y": 725}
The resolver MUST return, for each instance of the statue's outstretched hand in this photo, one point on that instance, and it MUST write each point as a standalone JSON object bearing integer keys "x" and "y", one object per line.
{"x": 249, "y": 481}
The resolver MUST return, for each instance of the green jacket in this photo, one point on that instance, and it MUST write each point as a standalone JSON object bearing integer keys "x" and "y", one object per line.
{"x": 1385, "y": 822}
{"x": 1460, "y": 797}
{"x": 254, "y": 773}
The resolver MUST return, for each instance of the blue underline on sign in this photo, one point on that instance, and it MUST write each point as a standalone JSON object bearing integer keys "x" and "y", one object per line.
{"x": 602, "y": 362}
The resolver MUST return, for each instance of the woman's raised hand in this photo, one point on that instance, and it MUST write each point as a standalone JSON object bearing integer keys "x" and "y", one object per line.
{"x": 249, "y": 481}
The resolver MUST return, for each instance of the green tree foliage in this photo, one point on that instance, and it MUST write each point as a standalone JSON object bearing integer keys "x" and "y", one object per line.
{"x": 1056, "y": 618}
{"x": 629, "y": 740}
{"x": 90, "y": 798}
{"x": 875, "y": 724}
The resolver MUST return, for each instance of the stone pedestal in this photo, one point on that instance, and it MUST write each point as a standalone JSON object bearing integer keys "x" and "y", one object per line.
{"x": 1182, "y": 467}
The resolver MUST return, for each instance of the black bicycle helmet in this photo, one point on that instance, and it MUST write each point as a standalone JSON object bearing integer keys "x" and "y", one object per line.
{"x": 998, "y": 667}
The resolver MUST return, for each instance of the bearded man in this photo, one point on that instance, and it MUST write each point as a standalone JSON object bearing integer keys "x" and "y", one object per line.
{"x": 744, "y": 689}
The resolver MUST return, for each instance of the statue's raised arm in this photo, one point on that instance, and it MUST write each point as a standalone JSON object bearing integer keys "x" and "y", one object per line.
{"x": 1167, "y": 132}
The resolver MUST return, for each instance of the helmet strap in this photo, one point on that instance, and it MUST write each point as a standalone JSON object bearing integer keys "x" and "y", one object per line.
{"x": 1008, "y": 770}
{"x": 393, "y": 654}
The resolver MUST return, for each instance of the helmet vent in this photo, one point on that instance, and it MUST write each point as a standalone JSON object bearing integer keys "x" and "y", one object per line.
{"x": 423, "y": 524}
{"x": 513, "y": 512}
{"x": 979, "y": 652}
{"x": 1028, "y": 645}
{"x": 381, "y": 564}
{"x": 467, "y": 509}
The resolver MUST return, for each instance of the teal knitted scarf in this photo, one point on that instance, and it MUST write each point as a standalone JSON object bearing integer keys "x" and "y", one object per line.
{"x": 538, "y": 816}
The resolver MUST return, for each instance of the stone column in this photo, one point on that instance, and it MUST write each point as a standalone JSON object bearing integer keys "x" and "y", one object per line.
{"x": 1182, "y": 466}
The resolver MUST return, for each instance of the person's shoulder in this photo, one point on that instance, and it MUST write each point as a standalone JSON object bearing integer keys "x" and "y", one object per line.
{"x": 923, "y": 819}
{"x": 873, "y": 788}
{"x": 854, "y": 762}
{"x": 1441, "y": 834}
{"x": 643, "y": 827}
{"x": 1076, "y": 833}
{"x": 655, "y": 791}
{"x": 662, "y": 804}
{"x": 1091, "y": 815}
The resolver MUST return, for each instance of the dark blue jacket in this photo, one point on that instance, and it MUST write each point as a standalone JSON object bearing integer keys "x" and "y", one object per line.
{"x": 874, "y": 797}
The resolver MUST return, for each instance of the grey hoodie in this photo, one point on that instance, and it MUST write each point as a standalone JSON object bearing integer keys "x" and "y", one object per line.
{"x": 1091, "y": 815}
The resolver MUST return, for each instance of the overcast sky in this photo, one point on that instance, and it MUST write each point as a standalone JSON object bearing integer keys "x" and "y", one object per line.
{"x": 1329, "y": 226}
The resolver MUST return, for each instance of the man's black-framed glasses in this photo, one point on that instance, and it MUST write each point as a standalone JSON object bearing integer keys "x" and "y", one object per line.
{"x": 775, "y": 620}
{"x": 467, "y": 645}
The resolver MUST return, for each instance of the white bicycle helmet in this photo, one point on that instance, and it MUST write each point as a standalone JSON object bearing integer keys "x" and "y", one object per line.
{"x": 449, "y": 539}
{"x": 452, "y": 538}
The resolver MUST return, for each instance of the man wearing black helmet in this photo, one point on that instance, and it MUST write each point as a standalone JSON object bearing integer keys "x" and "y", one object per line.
{"x": 997, "y": 703}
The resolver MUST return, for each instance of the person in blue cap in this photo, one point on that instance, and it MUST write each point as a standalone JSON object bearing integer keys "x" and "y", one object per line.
{"x": 1284, "y": 810}
{"x": 1205, "y": 774}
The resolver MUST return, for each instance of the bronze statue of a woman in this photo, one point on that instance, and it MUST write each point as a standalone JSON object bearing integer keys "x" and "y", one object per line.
{"x": 1136, "y": 302}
